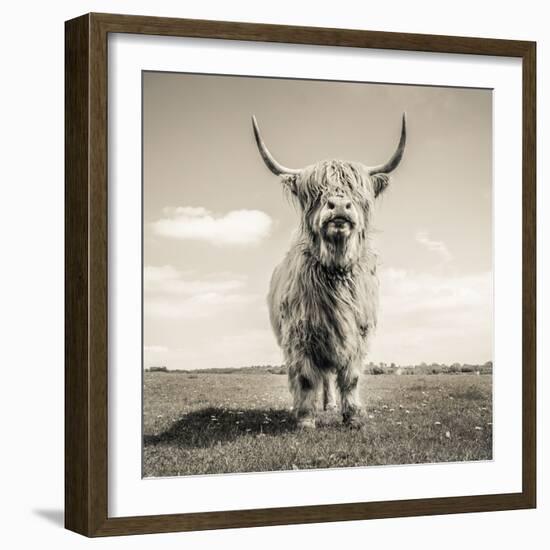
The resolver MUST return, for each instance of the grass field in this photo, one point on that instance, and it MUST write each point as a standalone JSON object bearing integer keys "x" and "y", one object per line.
{"x": 240, "y": 422}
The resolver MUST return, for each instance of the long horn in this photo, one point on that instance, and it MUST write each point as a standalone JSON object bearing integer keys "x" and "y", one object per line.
{"x": 270, "y": 162}
{"x": 396, "y": 158}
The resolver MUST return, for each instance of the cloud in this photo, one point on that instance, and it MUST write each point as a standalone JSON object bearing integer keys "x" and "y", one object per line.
{"x": 234, "y": 348}
{"x": 171, "y": 294}
{"x": 155, "y": 349}
{"x": 168, "y": 279}
{"x": 202, "y": 306}
{"x": 409, "y": 291}
{"x": 434, "y": 317}
{"x": 439, "y": 247}
{"x": 237, "y": 227}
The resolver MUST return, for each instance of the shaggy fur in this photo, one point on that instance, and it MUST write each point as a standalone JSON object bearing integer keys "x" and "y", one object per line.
{"x": 323, "y": 297}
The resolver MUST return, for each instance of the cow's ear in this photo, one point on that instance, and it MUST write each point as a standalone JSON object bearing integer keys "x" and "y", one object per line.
{"x": 379, "y": 183}
{"x": 289, "y": 183}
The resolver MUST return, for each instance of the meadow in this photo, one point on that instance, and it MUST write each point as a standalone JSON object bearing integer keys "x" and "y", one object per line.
{"x": 240, "y": 421}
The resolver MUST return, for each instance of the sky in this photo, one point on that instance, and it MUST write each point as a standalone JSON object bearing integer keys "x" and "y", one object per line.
{"x": 216, "y": 222}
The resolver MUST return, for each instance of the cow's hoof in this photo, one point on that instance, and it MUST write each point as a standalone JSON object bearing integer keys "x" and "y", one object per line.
{"x": 354, "y": 421}
{"x": 306, "y": 423}
{"x": 330, "y": 407}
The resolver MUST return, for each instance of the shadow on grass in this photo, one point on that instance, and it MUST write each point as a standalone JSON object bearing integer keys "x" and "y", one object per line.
{"x": 207, "y": 427}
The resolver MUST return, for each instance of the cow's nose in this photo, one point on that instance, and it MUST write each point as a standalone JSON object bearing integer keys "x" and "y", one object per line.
{"x": 338, "y": 204}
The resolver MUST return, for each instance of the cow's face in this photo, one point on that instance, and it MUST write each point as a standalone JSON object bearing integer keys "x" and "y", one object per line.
{"x": 336, "y": 200}
{"x": 338, "y": 217}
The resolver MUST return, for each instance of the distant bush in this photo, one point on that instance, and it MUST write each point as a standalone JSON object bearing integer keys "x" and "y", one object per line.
{"x": 377, "y": 369}
{"x": 433, "y": 369}
{"x": 277, "y": 370}
{"x": 371, "y": 368}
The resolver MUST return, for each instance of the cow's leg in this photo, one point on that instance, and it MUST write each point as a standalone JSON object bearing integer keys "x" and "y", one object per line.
{"x": 329, "y": 392}
{"x": 348, "y": 384}
{"x": 304, "y": 380}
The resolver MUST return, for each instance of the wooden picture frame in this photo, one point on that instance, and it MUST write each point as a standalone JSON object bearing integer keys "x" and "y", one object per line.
{"x": 86, "y": 283}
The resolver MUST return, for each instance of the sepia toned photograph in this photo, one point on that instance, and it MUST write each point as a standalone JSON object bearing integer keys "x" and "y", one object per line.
{"x": 317, "y": 274}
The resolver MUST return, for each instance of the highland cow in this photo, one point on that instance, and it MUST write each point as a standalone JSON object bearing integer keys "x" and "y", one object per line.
{"x": 323, "y": 296}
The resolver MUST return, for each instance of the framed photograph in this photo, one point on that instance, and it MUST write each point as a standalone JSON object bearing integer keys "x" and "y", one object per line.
{"x": 300, "y": 275}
